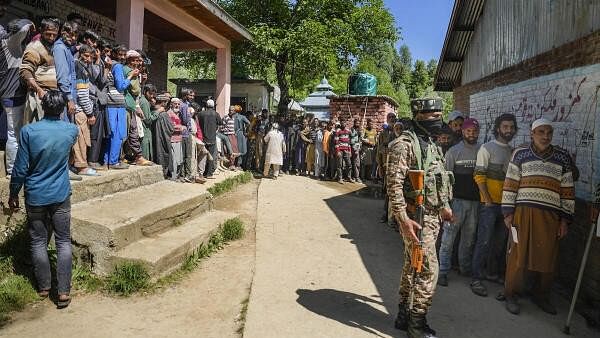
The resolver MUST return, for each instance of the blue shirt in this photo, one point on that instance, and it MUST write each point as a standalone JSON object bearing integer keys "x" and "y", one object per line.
{"x": 64, "y": 62}
{"x": 42, "y": 162}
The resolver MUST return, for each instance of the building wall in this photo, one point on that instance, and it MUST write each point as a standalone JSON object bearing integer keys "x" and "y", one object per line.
{"x": 563, "y": 85}
{"x": 362, "y": 108}
{"x": 36, "y": 9}
{"x": 511, "y": 31}
{"x": 257, "y": 95}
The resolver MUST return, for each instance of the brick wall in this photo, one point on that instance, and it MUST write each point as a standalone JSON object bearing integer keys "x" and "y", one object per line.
{"x": 352, "y": 107}
{"x": 562, "y": 85}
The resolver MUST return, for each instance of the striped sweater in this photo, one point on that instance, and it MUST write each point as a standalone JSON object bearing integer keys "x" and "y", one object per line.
{"x": 342, "y": 140}
{"x": 540, "y": 181}
{"x": 490, "y": 168}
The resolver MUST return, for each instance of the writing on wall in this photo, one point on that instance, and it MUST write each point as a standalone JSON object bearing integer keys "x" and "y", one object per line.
{"x": 569, "y": 99}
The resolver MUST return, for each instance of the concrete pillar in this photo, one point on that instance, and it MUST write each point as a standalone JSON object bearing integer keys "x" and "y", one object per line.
{"x": 223, "y": 90}
{"x": 130, "y": 23}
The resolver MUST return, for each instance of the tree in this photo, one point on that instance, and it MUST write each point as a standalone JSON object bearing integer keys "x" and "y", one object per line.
{"x": 298, "y": 41}
{"x": 419, "y": 80}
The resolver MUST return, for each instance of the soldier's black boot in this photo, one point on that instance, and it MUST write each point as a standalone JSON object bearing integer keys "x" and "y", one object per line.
{"x": 418, "y": 328}
{"x": 401, "y": 322}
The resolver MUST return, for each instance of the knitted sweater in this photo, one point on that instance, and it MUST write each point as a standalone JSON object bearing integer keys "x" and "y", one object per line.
{"x": 540, "y": 181}
{"x": 490, "y": 168}
{"x": 342, "y": 140}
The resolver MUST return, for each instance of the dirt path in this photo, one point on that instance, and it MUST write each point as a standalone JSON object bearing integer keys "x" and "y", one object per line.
{"x": 206, "y": 303}
{"x": 326, "y": 267}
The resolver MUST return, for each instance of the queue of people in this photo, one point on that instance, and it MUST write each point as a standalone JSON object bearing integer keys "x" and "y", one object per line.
{"x": 504, "y": 208}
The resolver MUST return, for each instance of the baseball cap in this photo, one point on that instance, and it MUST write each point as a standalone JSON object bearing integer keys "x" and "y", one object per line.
{"x": 540, "y": 122}
{"x": 454, "y": 115}
{"x": 470, "y": 123}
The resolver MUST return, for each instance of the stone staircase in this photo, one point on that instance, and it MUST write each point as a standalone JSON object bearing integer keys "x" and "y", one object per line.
{"x": 136, "y": 215}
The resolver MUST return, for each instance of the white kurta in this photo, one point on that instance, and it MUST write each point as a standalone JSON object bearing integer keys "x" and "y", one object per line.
{"x": 275, "y": 147}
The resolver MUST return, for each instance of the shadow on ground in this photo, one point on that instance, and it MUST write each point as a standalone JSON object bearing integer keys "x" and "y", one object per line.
{"x": 380, "y": 248}
{"x": 347, "y": 308}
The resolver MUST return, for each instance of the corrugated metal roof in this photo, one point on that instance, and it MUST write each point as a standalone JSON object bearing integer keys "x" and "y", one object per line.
{"x": 465, "y": 15}
{"x": 512, "y": 31}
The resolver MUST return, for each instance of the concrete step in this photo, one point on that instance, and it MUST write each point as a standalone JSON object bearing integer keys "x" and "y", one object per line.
{"x": 165, "y": 252}
{"x": 105, "y": 224}
{"x": 113, "y": 181}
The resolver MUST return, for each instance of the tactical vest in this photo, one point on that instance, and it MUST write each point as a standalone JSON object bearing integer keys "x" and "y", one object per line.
{"x": 438, "y": 181}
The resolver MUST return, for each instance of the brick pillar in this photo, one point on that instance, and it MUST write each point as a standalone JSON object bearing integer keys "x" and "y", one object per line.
{"x": 130, "y": 23}
{"x": 223, "y": 90}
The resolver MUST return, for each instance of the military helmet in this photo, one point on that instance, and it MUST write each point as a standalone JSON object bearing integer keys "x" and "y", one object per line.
{"x": 426, "y": 105}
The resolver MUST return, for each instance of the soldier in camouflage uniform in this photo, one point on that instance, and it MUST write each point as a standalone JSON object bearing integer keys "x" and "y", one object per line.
{"x": 383, "y": 139}
{"x": 415, "y": 149}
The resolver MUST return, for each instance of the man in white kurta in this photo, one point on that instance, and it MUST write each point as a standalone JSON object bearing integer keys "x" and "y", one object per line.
{"x": 275, "y": 150}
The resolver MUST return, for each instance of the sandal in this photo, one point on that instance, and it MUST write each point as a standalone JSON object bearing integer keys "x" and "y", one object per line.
{"x": 63, "y": 303}
{"x": 143, "y": 162}
{"x": 88, "y": 172}
{"x": 43, "y": 294}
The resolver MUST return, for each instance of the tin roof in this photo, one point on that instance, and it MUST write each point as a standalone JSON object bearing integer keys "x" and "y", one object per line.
{"x": 320, "y": 97}
{"x": 465, "y": 15}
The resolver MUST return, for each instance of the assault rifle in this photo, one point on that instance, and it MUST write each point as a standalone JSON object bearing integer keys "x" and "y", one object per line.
{"x": 417, "y": 180}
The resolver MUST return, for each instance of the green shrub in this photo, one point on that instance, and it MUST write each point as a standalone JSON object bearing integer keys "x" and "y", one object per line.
{"x": 229, "y": 183}
{"x": 84, "y": 279}
{"x": 232, "y": 229}
{"x": 128, "y": 278}
{"x": 15, "y": 293}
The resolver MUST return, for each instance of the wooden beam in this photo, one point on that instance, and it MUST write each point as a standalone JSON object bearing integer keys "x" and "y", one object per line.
{"x": 182, "y": 46}
{"x": 177, "y": 16}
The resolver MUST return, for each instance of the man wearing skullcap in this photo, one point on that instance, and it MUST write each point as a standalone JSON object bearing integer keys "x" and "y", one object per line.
{"x": 538, "y": 203}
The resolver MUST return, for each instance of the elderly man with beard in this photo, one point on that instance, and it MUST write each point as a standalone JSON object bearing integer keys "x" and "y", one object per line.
{"x": 461, "y": 160}
{"x": 538, "y": 203}
{"x": 12, "y": 90}
{"x": 490, "y": 171}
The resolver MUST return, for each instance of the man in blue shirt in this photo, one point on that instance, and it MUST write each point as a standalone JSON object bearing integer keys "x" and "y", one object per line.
{"x": 42, "y": 167}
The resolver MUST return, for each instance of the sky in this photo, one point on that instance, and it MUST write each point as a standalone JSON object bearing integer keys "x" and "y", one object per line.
{"x": 423, "y": 25}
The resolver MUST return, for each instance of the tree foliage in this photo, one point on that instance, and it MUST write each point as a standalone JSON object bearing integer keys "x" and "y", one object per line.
{"x": 297, "y": 42}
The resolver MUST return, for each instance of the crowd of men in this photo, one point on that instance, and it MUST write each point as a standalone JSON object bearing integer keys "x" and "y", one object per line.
{"x": 76, "y": 105}
{"x": 505, "y": 209}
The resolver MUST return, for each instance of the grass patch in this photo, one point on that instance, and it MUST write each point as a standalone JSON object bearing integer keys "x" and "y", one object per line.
{"x": 230, "y": 230}
{"x": 15, "y": 293}
{"x": 242, "y": 316}
{"x": 229, "y": 183}
{"x": 128, "y": 278}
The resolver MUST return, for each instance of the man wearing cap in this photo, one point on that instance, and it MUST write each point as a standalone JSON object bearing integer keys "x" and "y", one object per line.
{"x": 416, "y": 150}
{"x": 209, "y": 122}
{"x": 455, "y": 121}
{"x": 490, "y": 170}
{"x": 538, "y": 203}
{"x": 461, "y": 159}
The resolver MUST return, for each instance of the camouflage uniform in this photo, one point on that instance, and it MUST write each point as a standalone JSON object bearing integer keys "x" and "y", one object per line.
{"x": 438, "y": 193}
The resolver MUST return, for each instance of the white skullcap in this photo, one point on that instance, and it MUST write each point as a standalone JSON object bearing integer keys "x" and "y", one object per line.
{"x": 540, "y": 122}
{"x": 210, "y": 103}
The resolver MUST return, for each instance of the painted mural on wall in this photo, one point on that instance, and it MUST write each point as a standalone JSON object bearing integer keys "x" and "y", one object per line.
{"x": 570, "y": 100}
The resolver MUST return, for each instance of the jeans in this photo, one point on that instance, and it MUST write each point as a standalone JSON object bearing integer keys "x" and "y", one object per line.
{"x": 343, "y": 165}
{"x": 489, "y": 228}
{"x": 42, "y": 220}
{"x": 118, "y": 132}
{"x": 465, "y": 214}
{"x": 355, "y": 173}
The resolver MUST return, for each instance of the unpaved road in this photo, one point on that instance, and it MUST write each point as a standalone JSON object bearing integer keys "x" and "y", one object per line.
{"x": 321, "y": 265}
{"x": 325, "y": 267}
{"x": 206, "y": 303}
